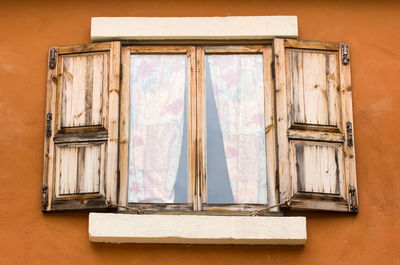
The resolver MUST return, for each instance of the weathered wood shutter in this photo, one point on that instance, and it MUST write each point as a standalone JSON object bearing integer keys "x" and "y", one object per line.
{"x": 81, "y": 138}
{"x": 315, "y": 125}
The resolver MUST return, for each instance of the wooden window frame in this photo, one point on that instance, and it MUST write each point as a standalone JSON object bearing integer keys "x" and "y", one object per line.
{"x": 197, "y": 202}
{"x": 282, "y": 133}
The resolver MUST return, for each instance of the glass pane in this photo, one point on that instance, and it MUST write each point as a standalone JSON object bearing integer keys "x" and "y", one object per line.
{"x": 158, "y": 129}
{"x": 236, "y": 162}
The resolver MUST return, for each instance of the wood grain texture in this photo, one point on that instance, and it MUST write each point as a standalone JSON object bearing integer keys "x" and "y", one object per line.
{"x": 81, "y": 48}
{"x": 201, "y": 185}
{"x": 82, "y": 101}
{"x": 347, "y": 112}
{"x": 159, "y": 49}
{"x": 81, "y": 154}
{"x": 79, "y": 168}
{"x": 113, "y": 123}
{"x": 191, "y": 131}
{"x": 270, "y": 128}
{"x": 319, "y": 166}
{"x": 124, "y": 128}
{"x": 315, "y": 135}
{"x": 282, "y": 114}
{"x": 48, "y": 159}
{"x": 313, "y": 79}
{"x": 308, "y": 44}
{"x": 243, "y": 49}
{"x": 313, "y": 102}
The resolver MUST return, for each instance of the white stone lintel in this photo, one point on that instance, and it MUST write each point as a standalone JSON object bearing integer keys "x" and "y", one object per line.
{"x": 193, "y": 28}
{"x": 196, "y": 229}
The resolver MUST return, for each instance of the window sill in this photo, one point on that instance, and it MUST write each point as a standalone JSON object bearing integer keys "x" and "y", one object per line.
{"x": 196, "y": 229}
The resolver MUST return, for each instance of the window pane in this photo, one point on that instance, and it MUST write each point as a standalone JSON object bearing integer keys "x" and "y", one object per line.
{"x": 158, "y": 129}
{"x": 236, "y": 162}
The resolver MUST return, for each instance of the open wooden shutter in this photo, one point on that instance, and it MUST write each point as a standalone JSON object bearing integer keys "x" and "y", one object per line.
{"x": 81, "y": 135}
{"x": 315, "y": 125}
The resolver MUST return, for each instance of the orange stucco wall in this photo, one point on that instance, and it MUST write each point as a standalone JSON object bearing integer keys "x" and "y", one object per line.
{"x": 27, "y": 236}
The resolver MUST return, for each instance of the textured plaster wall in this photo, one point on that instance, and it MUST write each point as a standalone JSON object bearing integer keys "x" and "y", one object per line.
{"x": 27, "y": 236}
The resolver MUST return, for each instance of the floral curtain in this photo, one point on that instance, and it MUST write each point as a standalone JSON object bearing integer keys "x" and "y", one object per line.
{"x": 237, "y": 84}
{"x": 157, "y": 104}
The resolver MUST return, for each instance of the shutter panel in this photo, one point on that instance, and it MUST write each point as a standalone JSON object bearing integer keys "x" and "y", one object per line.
{"x": 314, "y": 122}
{"x": 81, "y": 138}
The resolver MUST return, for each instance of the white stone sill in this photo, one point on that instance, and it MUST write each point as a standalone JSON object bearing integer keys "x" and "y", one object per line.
{"x": 196, "y": 229}
{"x": 193, "y": 28}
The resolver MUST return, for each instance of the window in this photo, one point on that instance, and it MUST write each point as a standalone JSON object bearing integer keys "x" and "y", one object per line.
{"x": 217, "y": 129}
{"x": 192, "y": 112}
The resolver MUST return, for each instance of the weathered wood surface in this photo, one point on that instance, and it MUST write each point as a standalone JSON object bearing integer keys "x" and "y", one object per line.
{"x": 318, "y": 166}
{"x": 191, "y": 125}
{"x": 201, "y": 185}
{"x": 123, "y": 165}
{"x": 234, "y": 49}
{"x": 48, "y": 160}
{"x": 313, "y": 102}
{"x": 270, "y": 128}
{"x": 347, "y": 112}
{"x": 313, "y": 80}
{"x": 81, "y": 137}
{"x": 159, "y": 49}
{"x": 282, "y": 108}
{"x": 111, "y": 180}
{"x": 162, "y": 207}
{"x": 81, "y": 153}
{"x": 316, "y": 135}
{"x": 83, "y": 81}
{"x": 82, "y": 48}
{"x": 308, "y": 44}
{"x": 79, "y": 168}
{"x": 320, "y": 202}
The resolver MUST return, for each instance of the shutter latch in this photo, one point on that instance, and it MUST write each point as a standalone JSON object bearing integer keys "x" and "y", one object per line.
{"x": 349, "y": 129}
{"x": 49, "y": 117}
{"x": 52, "y": 58}
{"x": 353, "y": 200}
{"x": 345, "y": 54}
{"x": 45, "y": 197}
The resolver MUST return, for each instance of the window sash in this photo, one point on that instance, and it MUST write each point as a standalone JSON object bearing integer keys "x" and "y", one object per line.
{"x": 268, "y": 120}
{"x": 196, "y": 128}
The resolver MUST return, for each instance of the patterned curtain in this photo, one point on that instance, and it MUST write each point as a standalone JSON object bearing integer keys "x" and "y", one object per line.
{"x": 157, "y": 105}
{"x": 237, "y": 85}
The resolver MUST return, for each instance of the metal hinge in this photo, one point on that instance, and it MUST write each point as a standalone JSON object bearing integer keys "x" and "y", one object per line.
{"x": 45, "y": 197}
{"x": 49, "y": 117}
{"x": 353, "y": 200}
{"x": 52, "y": 59}
{"x": 345, "y": 54}
{"x": 349, "y": 129}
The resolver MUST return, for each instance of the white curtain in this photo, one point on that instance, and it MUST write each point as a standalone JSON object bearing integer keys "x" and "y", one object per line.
{"x": 157, "y": 90}
{"x": 237, "y": 84}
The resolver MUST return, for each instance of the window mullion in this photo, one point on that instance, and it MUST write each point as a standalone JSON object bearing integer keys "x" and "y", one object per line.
{"x": 199, "y": 128}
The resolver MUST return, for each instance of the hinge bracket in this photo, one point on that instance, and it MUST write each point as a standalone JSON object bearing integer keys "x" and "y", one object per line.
{"x": 49, "y": 117}
{"x": 353, "y": 200}
{"x": 349, "y": 129}
{"x": 52, "y": 58}
{"x": 345, "y": 54}
{"x": 45, "y": 197}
